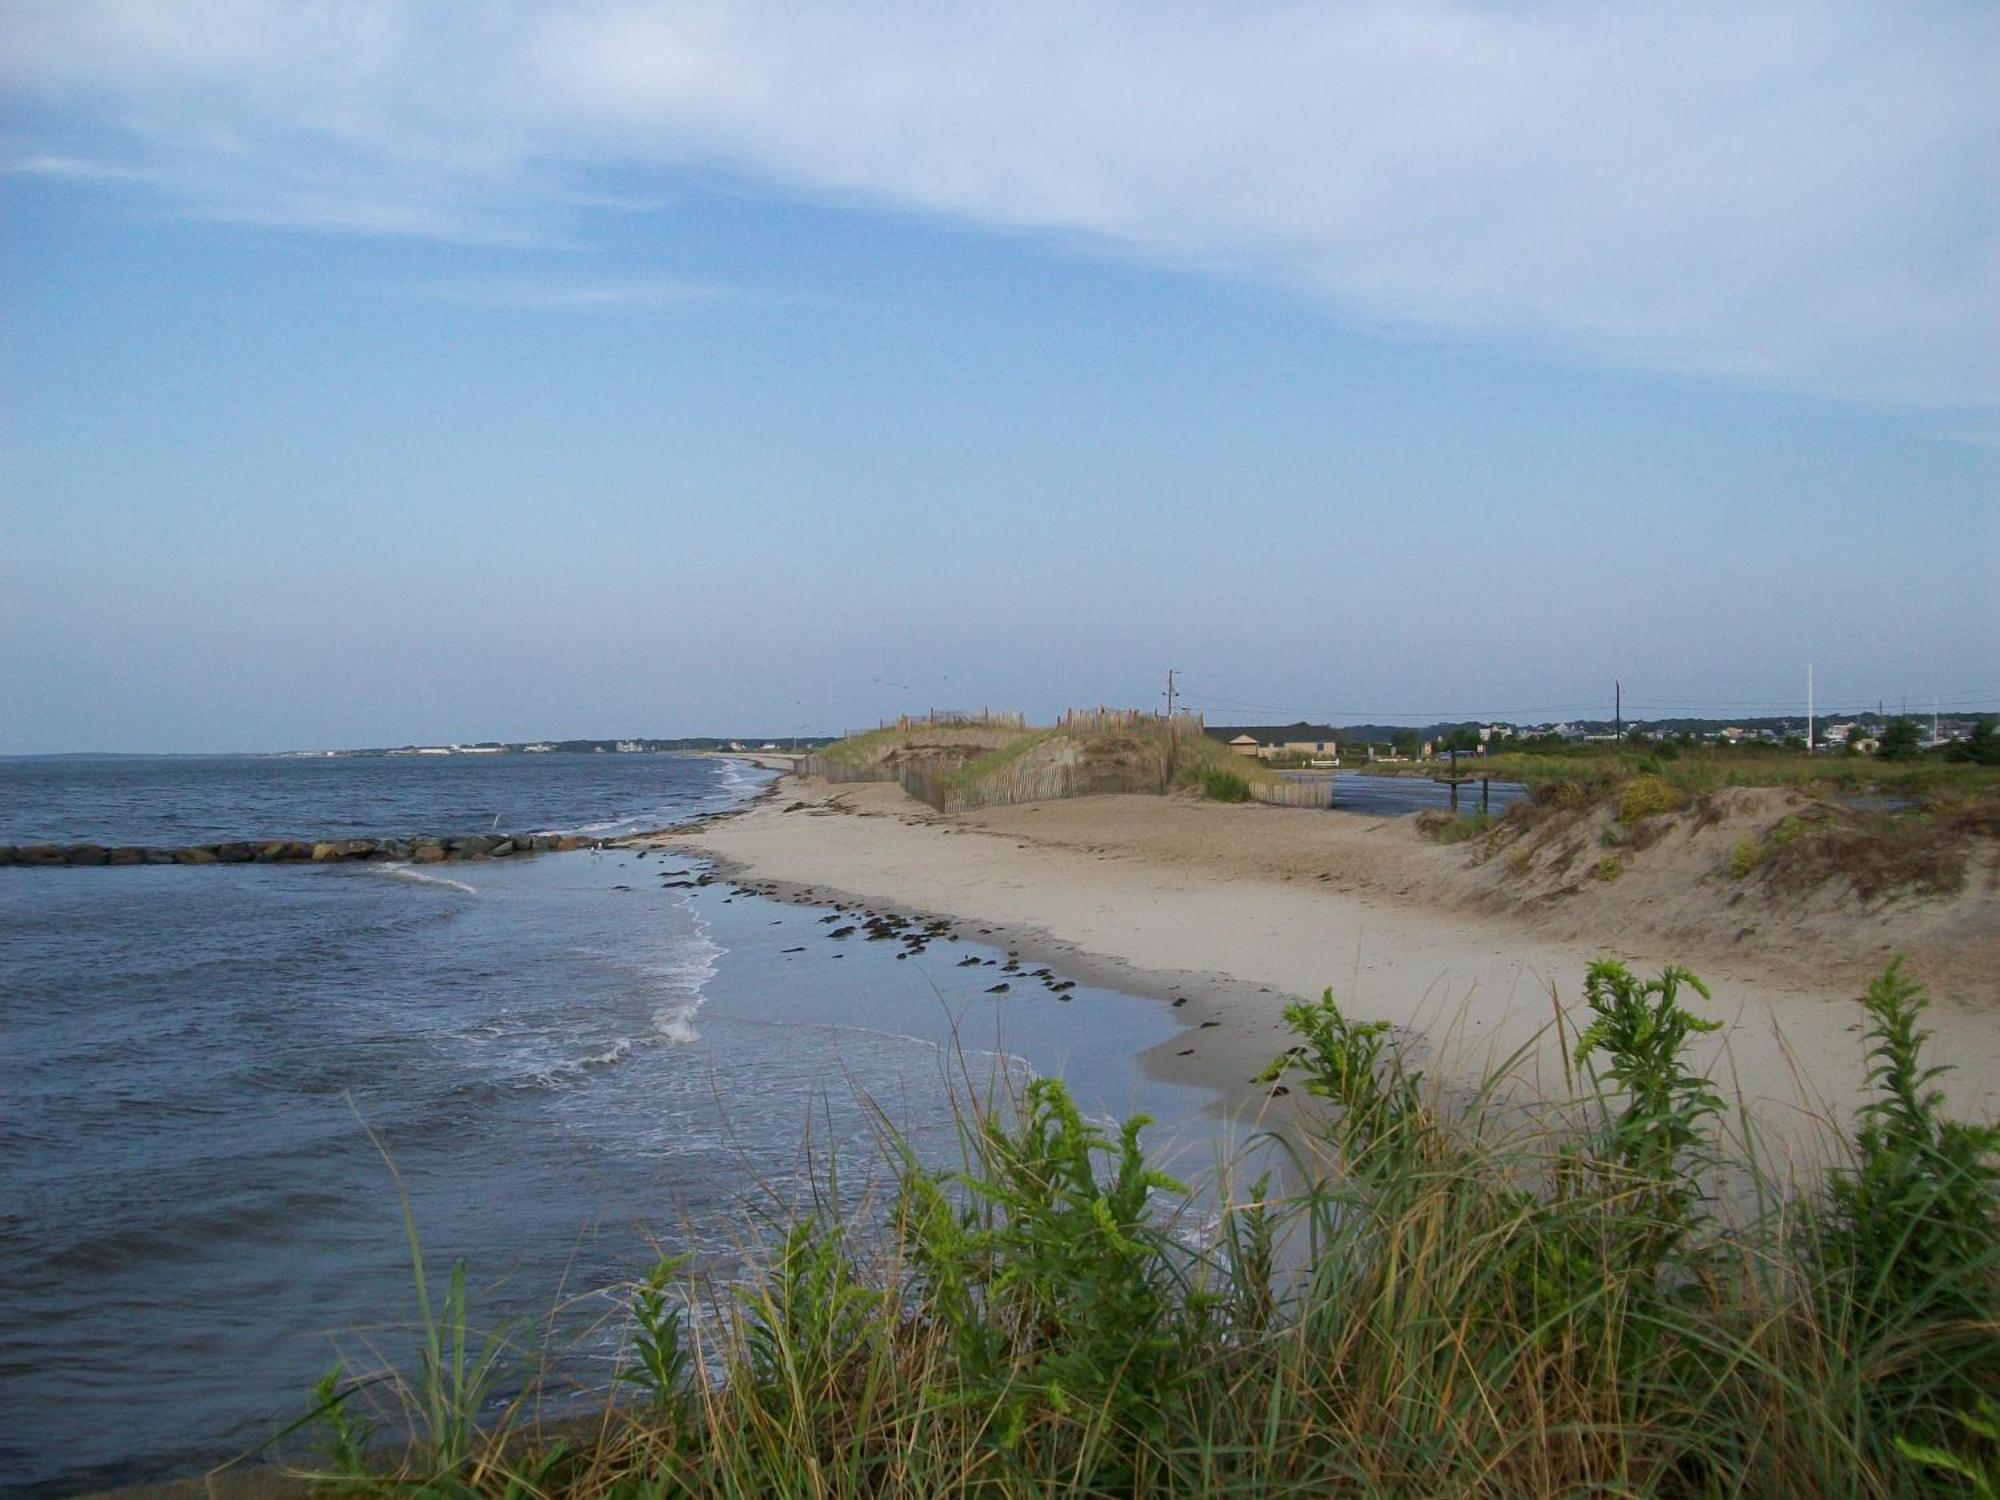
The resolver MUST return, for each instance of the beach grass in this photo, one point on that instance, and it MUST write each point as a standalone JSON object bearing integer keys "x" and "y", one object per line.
{"x": 1699, "y": 769}
{"x": 1459, "y": 1294}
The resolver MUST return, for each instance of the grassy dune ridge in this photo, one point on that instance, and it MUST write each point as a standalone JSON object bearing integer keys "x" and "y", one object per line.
{"x": 962, "y": 766}
{"x": 1882, "y": 829}
{"x": 1463, "y": 1296}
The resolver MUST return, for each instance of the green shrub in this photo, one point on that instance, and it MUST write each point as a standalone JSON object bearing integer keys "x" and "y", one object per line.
{"x": 1224, "y": 786}
{"x": 1052, "y": 1286}
{"x": 1748, "y": 854}
{"x": 1457, "y": 829}
{"x": 1609, "y": 868}
{"x": 1646, "y": 796}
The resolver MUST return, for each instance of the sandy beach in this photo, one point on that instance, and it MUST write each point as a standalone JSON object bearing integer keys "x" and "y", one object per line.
{"x": 1235, "y": 911}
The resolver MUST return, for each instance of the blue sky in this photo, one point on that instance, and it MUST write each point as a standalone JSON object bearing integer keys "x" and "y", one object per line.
{"x": 380, "y": 373}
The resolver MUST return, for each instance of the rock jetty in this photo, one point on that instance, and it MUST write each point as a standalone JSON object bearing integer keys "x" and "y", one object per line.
{"x": 421, "y": 851}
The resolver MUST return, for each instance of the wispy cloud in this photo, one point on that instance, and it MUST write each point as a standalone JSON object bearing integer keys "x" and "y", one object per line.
{"x": 71, "y": 168}
{"x": 530, "y": 295}
{"x": 1799, "y": 195}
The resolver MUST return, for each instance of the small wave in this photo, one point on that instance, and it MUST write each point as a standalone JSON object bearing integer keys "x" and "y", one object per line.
{"x": 682, "y": 979}
{"x": 561, "y": 1073}
{"x": 405, "y": 872}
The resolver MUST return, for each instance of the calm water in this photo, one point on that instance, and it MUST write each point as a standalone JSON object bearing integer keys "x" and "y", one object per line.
{"x": 1392, "y": 796}
{"x": 570, "y": 1060}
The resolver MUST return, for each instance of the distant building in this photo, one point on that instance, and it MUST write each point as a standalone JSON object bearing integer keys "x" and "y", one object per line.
{"x": 1265, "y": 741}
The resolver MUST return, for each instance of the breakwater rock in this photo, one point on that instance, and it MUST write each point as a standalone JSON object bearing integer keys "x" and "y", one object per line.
{"x": 421, "y": 851}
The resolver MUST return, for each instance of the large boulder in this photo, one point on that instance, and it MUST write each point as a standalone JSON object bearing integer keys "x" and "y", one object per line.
{"x": 196, "y": 854}
{"x": 236, "y": 853}
{"x": 86, "y": 854}
{"x": 282, "y": 850}
{"x": 126, "y": 854}
{"x": 426, "y": 852}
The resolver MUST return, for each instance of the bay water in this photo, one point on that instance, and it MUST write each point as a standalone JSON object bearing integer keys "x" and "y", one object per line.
{"x": 575, "y": 1062}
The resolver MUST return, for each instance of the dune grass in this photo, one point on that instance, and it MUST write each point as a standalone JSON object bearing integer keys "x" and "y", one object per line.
{"x": 1588, "y": 1297}
{"x": 1217, "y": 772}
{"x": 1699, "y": 769}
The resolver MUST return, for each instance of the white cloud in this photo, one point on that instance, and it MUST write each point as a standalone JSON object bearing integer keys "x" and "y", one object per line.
{"x": 529, "y": 295}
{"x": 1802, "y": 195}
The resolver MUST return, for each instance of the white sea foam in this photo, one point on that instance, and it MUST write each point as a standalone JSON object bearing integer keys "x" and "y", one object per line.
{"x": 680, "y": 977}
{"x": 405, "y": 872}
{"x": 739, "y": 776}
{"x": 559, "y": 1074}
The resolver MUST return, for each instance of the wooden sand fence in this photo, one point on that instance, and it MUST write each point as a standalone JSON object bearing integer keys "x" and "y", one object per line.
{"x": 1315, "y": 791}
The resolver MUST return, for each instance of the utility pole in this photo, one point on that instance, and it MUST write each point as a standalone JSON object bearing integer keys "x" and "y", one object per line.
{"x": 1173, "y": 732}
{"x": 1170, "y": 694}
{"x": 1809, "y": 709}
{"x": 1618, "y": 712}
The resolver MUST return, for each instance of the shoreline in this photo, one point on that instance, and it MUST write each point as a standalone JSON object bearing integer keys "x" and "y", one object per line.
{"x": 1064, "y": 883}
{"x": 1197, "y": 998}
{"x": 1200, "y": 999}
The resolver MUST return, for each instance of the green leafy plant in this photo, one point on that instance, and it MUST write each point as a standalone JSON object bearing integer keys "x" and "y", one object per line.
{"x": 1916, "y": 1223}
{"x": 1655, "y": 1138}
{"x": 1352, "y": 1066}
{"x": 658, "y": 1337}
{"x": 1053, "y": 1282}
{"x": 342, "y": 1435}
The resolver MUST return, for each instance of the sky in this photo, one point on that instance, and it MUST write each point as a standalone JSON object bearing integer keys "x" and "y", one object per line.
{"x": 413, "y": 371}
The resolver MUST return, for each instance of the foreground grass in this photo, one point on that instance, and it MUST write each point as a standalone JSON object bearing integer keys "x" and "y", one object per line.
{"x": 1454, "y": 1303}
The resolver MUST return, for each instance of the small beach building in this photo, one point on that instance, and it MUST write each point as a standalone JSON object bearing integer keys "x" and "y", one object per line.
{"x": 1269, "y": 741}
